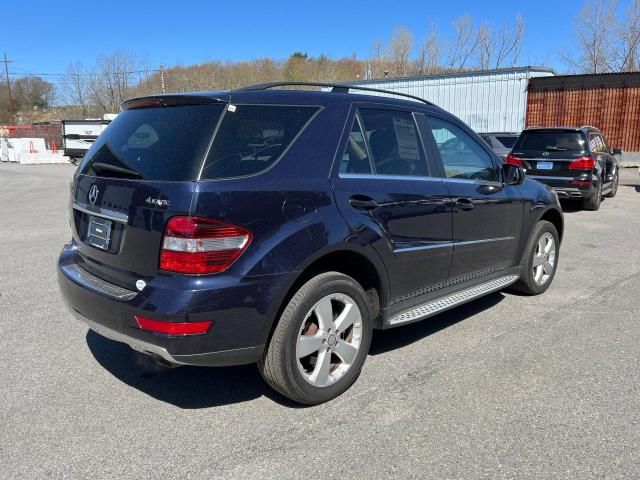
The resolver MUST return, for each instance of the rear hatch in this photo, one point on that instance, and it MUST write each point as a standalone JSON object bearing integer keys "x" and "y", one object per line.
{"x": 140, "y": 172}
{"x": 547, "y": 154}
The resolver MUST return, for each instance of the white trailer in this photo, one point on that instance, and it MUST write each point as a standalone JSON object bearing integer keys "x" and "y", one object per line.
{"x": 79, "y": 135}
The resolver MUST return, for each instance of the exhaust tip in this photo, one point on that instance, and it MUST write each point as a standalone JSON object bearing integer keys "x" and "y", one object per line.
{"x": 162, "y": 361}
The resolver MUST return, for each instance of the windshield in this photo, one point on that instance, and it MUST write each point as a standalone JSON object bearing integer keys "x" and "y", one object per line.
{"x": 557, "y": 141}
{"x": 160, "y": 143}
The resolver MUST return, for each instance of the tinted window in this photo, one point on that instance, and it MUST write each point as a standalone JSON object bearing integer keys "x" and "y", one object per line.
{"x": 551, "y": 141}
{"x": 355, "y": 159}
{"x": 487, "y": 139}
{"x": 507, "y": 142}
{"x": 597, "y": 143}
{"x": 394, "y": 143}
{"x": 252, "y": 137}
{"x": 462, "y": 156}
{"x": 165, "y": 143}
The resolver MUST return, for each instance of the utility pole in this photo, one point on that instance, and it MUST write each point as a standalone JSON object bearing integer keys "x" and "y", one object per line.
{"x": 6, "y": 69}
{"x": 164, "y": 90}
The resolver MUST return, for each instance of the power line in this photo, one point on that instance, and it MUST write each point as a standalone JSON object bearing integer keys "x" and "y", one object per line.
{"x": 20, "y": 73}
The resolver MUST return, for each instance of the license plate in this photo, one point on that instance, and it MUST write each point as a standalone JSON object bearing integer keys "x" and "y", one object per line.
{"x": 99, "y": 234}
{"x": 545, "y": 165}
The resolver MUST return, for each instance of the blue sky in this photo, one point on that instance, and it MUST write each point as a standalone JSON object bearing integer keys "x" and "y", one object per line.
{"x": 45, "y": 36}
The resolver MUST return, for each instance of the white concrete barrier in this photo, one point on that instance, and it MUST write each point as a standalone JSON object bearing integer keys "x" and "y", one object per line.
{"x": 41, "y": 157}
{"x": 4, "y": 150}
{"x": 28, "y": 151}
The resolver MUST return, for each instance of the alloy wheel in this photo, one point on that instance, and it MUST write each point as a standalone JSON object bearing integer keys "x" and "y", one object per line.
{"x": 329, "y": 340}
{"x": 544, "y": 258}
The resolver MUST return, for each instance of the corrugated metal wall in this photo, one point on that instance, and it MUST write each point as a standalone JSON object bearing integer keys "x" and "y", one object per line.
{"x": 610, "y": 102}
{"x": 489, "y": 101}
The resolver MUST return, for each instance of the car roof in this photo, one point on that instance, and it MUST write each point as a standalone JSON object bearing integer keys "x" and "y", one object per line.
{"x": 500, "y": 134}
{"x": 286, "y": 97}
{"x": 584, "y": 129}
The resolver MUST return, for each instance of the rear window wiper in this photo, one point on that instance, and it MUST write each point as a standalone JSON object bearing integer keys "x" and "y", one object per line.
{"x": 556, "y": 149}
{"x": 105, "y": 167}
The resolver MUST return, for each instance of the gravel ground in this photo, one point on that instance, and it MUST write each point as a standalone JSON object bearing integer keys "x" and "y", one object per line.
{"x": 505, "y": 387}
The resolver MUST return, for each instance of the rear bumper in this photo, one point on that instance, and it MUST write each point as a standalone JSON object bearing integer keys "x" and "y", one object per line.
{"x": 242, "y": 311}
{"x": 239, "y": 356}
{"x": 566, "y": 189}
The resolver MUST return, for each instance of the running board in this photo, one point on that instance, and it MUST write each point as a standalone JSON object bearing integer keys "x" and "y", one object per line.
{"x": 445, "y": 303}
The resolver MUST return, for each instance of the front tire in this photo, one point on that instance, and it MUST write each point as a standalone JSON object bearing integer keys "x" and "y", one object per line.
{"x": 540, "y": 260}
{"x": 321, "y": 341}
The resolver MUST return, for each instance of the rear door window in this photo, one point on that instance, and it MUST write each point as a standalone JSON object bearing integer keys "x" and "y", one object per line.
{"x": 394, "y": 144}
{"x": 355, "y": 158}
{"x": 462, "y": 156}
{"x": 159, "y": 143}
{"x": 251, "y": 138}
{"x": 597, "y": 143}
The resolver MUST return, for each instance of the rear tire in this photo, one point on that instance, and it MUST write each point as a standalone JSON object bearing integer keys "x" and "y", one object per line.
{"x": 540, "y": 260}
{"x": 614, "y": 186}
{"x": 321, "y": 341}
{"x": 593, "y": 203}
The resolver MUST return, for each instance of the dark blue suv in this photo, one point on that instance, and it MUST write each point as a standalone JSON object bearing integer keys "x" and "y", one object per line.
{"x": 281, "y": 226}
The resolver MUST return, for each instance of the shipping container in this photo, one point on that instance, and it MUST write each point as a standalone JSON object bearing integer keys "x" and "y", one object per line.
{"x": 488, "y": 101}
{"x": 610, "y": 102}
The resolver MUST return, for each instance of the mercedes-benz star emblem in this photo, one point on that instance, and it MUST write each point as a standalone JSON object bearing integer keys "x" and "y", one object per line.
{"x": 93, "y": 194}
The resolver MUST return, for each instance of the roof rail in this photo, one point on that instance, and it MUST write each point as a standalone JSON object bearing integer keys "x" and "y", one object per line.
{"x": 589, "y": 126}
{"x": 335, "y": 87}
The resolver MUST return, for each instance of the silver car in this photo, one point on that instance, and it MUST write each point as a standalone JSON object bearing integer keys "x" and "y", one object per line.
{"x": 501, "y": 143}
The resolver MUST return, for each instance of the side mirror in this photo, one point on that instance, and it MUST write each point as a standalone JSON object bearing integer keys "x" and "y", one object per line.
{"x": 617, "y": 151}
{"x": 513, "y": 174}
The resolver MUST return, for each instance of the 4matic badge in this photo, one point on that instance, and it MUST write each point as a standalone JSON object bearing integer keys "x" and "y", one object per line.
{"x": 156, "y": 202}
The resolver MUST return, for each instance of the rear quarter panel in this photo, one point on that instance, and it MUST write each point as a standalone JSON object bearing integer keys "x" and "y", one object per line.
{"x": 538, "y": 200}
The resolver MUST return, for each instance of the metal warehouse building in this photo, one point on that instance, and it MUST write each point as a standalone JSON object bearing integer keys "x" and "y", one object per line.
{"x": 488, "y": 101}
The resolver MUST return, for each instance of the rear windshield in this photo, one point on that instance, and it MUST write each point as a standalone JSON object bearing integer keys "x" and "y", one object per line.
{"x": 251, "y": 138}
{"x": 507, "y": 142}
{"x": 160, "y": 143}
{"x": 551, "y": 141}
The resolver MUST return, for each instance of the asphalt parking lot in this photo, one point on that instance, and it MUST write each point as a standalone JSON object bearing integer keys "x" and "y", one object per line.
{"x": 506, "y": 387}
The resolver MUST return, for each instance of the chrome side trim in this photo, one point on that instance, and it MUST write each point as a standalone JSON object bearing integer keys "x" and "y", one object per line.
{"x": 485, "y": 240}
{"x": 451, "y": 244}
{"x": 449, "y": 301}
{"x": 424, "y": 247}
{"x": 377, "y": 176}
{"x": 85, "y": 279}
{"x": 470, "y": 181}
{"x": 103, "y": 213}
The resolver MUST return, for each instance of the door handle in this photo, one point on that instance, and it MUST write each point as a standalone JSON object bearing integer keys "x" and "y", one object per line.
{"x": 464, "y": 204}
{"x": 362, "y": 202}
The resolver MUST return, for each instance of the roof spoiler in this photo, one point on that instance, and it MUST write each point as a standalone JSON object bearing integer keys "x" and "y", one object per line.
{"x": 171, "y": 101}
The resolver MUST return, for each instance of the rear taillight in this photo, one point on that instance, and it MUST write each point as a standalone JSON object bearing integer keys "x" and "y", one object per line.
{"x": 513, "y": 160}
{"x": 173, "y": 328}
{"x": 583, "y": 163}
{"x": 196, "y": 245}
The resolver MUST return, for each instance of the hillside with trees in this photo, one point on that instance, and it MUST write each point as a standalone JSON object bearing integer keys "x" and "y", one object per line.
{"x": 605, "y": 38}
